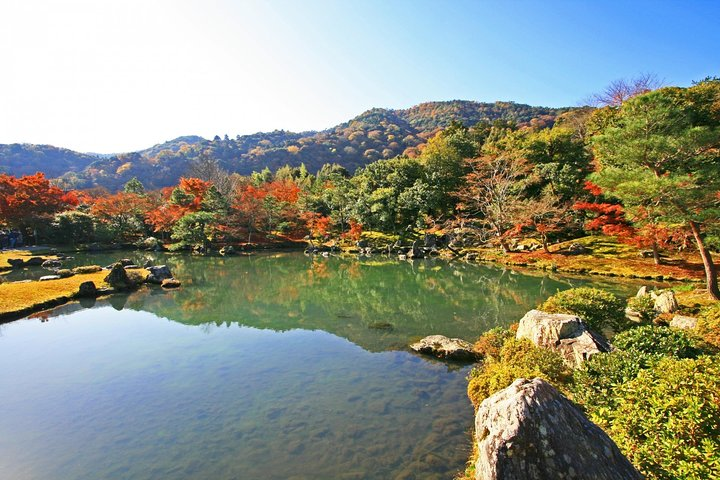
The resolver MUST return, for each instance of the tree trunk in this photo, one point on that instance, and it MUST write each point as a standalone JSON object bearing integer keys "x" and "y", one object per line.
{"x": 545, "y": 244}
{"x": 710, "y": 272}
{"x": 656, "y": 254}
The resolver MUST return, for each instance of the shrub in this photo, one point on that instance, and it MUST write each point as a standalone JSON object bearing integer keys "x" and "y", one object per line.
{"x": 708, "y": 326}
{"x": 517, "y": 359}
{"x": 645, "y": 306}
{"x": 87, "y": 269}
{"x": 652, "y": 339}
{"x": 490, "y": 342}
{"x": 598, "y": 308}
{"x": 595, "y": 381}
{"x": 667, "y": 420}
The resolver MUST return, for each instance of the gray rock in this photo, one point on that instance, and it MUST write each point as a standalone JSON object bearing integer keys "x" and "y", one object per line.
{"x": 87, "y": 290}
{"x": 126, "y": 262}
{"x": 118, "y": 278}
{"x": 49, "y": 277}
{"x": 530, "y": 431}
{"x": 683, "y": 322}
{"x": 170, "y": 283}
{"x": 158, "y": 273}
{"x": 64, "y": 273}
{"x": 567, "y": 334}
{"x": 577, "y": 249}
{"x": 52, "y": 264}
{"x": 443, "y": 347}
{"x": 665, "y": 302}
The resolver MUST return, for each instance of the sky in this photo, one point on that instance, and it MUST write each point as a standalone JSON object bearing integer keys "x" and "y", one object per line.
{"x": 116, "y": 76}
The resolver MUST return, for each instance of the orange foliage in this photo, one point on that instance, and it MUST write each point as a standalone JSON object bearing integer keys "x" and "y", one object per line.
{"x": 30, "y": 199}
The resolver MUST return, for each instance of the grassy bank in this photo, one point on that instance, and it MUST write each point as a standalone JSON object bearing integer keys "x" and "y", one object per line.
{"x": 602, "y": 256}
{"x": 23, "y": 298}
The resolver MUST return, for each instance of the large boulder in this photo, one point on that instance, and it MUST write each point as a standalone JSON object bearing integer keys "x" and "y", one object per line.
{"x": 34, "y": 261}
{"x": 530, "y": 431}
{"x": 87, "y": 290}
{"x": 567, "y": 334}
{"x": 158, "y": 273}
{"x": 16, "y": 262}
{"x": 665, "y": 302}
{"x": 684, "y": 322}
{"x": 118, "y": 278}
{"x": 443, "y": 347}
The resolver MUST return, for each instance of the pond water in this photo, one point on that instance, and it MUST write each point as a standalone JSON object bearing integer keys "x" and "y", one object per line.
{"x": 274, "y": 366}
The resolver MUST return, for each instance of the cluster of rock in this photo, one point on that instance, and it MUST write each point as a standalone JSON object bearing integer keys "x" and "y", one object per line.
{"x": 529, "y": 430}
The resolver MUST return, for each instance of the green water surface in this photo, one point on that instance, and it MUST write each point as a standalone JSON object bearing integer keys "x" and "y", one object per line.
{"x": 274, "y": 366}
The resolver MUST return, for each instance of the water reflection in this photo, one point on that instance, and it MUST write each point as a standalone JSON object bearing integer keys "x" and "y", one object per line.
{"x": 376, "y": 303}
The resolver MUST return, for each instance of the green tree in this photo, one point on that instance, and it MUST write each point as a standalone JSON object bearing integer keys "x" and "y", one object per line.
{"x": 195, "y": 229}
{"x": 134, "y": 186}
{"x": 661, "y": 153}
{"x": 73, "y": 227}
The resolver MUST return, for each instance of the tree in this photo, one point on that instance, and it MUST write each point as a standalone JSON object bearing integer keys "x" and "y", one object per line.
{"x": 73, "y": 227}
{"x": 493, "y": 193}
{"x": 661, "y": 153}
{"x": 124, "y": 213}
{"x": 622, "y": 90}
{"x": 30, "y": 202}
{"x": 134, "y": 186}
{"x": 195, "y": 229}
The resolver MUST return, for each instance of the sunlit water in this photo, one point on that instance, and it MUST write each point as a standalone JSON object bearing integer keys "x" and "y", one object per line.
{"x": 267, "y": 367}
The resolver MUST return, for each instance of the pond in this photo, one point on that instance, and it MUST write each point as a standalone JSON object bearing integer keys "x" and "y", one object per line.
{"x": 274, "y": 366}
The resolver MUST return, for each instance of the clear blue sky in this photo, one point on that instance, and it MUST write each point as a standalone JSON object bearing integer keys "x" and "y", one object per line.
{"x": 119, "y": 76}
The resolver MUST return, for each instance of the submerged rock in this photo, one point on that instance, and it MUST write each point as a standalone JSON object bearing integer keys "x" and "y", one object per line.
{"x": 530, "y": 431}
{"x": 567, "y": 334}
{"x": 443, "y": 347}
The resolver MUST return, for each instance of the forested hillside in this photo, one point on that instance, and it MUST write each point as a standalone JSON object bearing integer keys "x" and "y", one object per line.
{"x": 373, "y": 135}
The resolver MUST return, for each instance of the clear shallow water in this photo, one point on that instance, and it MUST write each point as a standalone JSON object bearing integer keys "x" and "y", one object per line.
{"x": 268, "y": 367}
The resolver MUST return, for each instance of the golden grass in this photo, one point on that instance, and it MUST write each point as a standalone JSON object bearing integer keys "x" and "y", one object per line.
{"x": 28, "y": 296}
{"x": 5, "y": 255}
{"x": 607, "y": 257}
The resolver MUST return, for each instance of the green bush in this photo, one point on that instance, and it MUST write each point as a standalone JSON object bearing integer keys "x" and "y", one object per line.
{"x": 517, "y": 359}
{"x": 490, "y": 342}
{"x": 652, "y": 339}
{"x": 667, "y": 420}
{"x": 708, "y": 326}
{"x": 73, "y": 227}
{"x": 87, "y": 269}
{"x": 595, "y": 381}
{"x": 645, "y": 306}
{"x": 598, "y": 308}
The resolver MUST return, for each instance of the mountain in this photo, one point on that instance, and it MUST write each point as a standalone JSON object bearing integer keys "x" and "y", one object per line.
{"x": 375, "y": 134}
{"x": 25, "y": 159}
